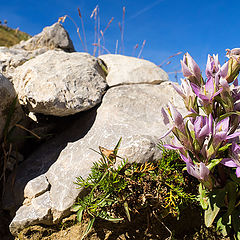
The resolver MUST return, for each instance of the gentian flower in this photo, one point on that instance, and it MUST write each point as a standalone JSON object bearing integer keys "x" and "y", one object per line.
{"x": 198, "y": 170}
{"x": 186, "y": 93}
{"x": 233, "y": 162}
{"x": 206, "y": 93}
{"x": 221, "y": 132}
{"x": 213, "y": 66}
{"x": 191, "y": 70}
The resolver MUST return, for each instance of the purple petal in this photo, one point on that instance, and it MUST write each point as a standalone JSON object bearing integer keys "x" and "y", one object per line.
{"x": 223, "y": 125}
{"x": 177, "y": 117}
{"x": 228, "y": 162}
{"x": 185, "y": 159}
{"x": 195, "y": 89}
{"x": 224, "y": 70}
{"x": 204, "y": 171}
{"x": 238, "y": 172}
{"x": 165, "y": 116}
{"x": 185, "y": 70}
{"x": 236, "y": 134}
{"x": 178, "y": 90}
{"x": 209, "y": 86}
{"x": 194, "y": 67}
{"x": 172, "y": 147}
{"x": 216, "y": 93}
{"x": 165, "y": 134}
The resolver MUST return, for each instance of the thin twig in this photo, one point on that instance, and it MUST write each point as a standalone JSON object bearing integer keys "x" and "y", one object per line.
{"x": 122, "y": 33}
{"x": 83, "y": 29}
{"x": 116, "y": 48}
{"x": 167, "y": 59}
{"x": 140, "y": 52}
{"x": 94, "y": 14}
{"x": 134, "y": 49}
{"x": 100, "y": 46}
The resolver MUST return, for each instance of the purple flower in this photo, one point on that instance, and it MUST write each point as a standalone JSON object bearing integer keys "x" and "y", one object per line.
{"x": 213, "y": 66}
{"x": 203, "y": 127}
{"x": 191, "y": 70}
{"x": 198, "y": 170}
{"x": 207, "y": 92}
{"x": 186, "y": 93}
{"x": 234, "y": 161}
{"x": 221, "y": 132}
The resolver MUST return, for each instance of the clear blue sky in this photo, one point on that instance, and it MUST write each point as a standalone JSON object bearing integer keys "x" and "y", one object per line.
{"x": 168, "y": 26}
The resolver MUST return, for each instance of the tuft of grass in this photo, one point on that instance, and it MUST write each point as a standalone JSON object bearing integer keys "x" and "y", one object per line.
{"x": 10, "y": 37}
{"x": 116, "y": 193}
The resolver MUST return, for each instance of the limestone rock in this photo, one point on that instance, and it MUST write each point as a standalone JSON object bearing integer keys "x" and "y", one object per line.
{"x": 36, "y": 187}
{"x": 132, "y": 112}
{"x": 128, "y": 70}
{"x": 59, "y": 83}
{"x": 38, "y": 212}
{"x": 52, "y": 37}
{"x": 7, "y": 97}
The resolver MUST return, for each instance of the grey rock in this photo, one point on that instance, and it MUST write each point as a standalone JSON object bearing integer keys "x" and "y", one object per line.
{"x": 129, "y": 70}
{"x": 59, "y": 83}
{"x": 38, "y": 212}
{"x": 10, "y": 58}
{"x": 36, "y": 187}
{"x": 7, "y": 97}
{"x": 52, "y": 37}
{"x": 132, "y": 112}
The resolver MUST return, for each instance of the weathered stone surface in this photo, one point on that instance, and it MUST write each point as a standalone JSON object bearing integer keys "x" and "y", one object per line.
{"x": 7, "y": 97}
{"x": 52, "y": 37}
{"x": 38, "y": 212}
{"x": 128, "y": 70}
{"x": 59, "y": 83}
{"x": 36, "y": 187}
{"x": 10, "y": 58}
{"x": 132, "y": 112}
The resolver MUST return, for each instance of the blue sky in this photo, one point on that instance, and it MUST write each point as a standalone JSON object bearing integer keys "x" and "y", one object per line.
{"x": 168, "y": 26}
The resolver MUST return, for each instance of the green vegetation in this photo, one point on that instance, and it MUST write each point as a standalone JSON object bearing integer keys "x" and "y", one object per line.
{"x": 115, "y": 193}
{"x": 10, "y": 37}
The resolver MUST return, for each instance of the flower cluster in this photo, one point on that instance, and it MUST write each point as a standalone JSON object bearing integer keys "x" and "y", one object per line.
{"x": 208, "y": 136}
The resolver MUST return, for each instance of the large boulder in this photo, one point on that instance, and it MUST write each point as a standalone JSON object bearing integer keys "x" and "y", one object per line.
{"x": 129, "y": 70}
{"x": 59, "y": 83}
{"x": 132, "y": 112}
{"x": 10, "y": 112}
{"x": 52, "y": 37}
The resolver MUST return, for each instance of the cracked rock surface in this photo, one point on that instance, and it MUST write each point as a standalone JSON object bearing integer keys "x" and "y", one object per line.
{"x": 59, "y": 83}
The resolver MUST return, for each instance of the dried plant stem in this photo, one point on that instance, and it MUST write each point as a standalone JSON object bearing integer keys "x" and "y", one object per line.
{"x": 140, "y": 52}
{"x": 100, "y": 46}
{"x": 116, "y": 48}
{"x": 99, "y": 39}
{"x": 79, "y": 35}
{"x": 122, "y": 32}
{"x": 167, "y": 59}
{"x": 94, "y": 14}
{"x": 134, "y": 49}
{"x": 83, "y": 29}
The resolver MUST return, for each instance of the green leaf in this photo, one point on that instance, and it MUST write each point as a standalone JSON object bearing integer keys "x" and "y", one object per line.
{"x": 89, "y": 227}
{"x": 236, "y": 220}
{"x": 125, "y": 205}
{"x": 79, "y": 214}
{"x": 75, "y": 208}
{"x": 203, "y": 198}
{"x": 211, "y": 213}
{"x": 225, "y": 147}
{"x": 213, "y": 163}
{"x": 222, "y": 227}
{"x": 104, "y": 215}
{"x": 228, "y": 114}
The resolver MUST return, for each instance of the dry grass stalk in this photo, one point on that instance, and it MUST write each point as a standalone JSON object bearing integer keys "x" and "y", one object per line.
{"x": 134, "y": 49}
{"x": 122, "y": 32}
{"x": 140, "y": 52}
{"x": 83, "y": 29}
{"x": 94, "y": 14}
{"x": 116, "y": 48}
{"x": 167, "y": 59}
